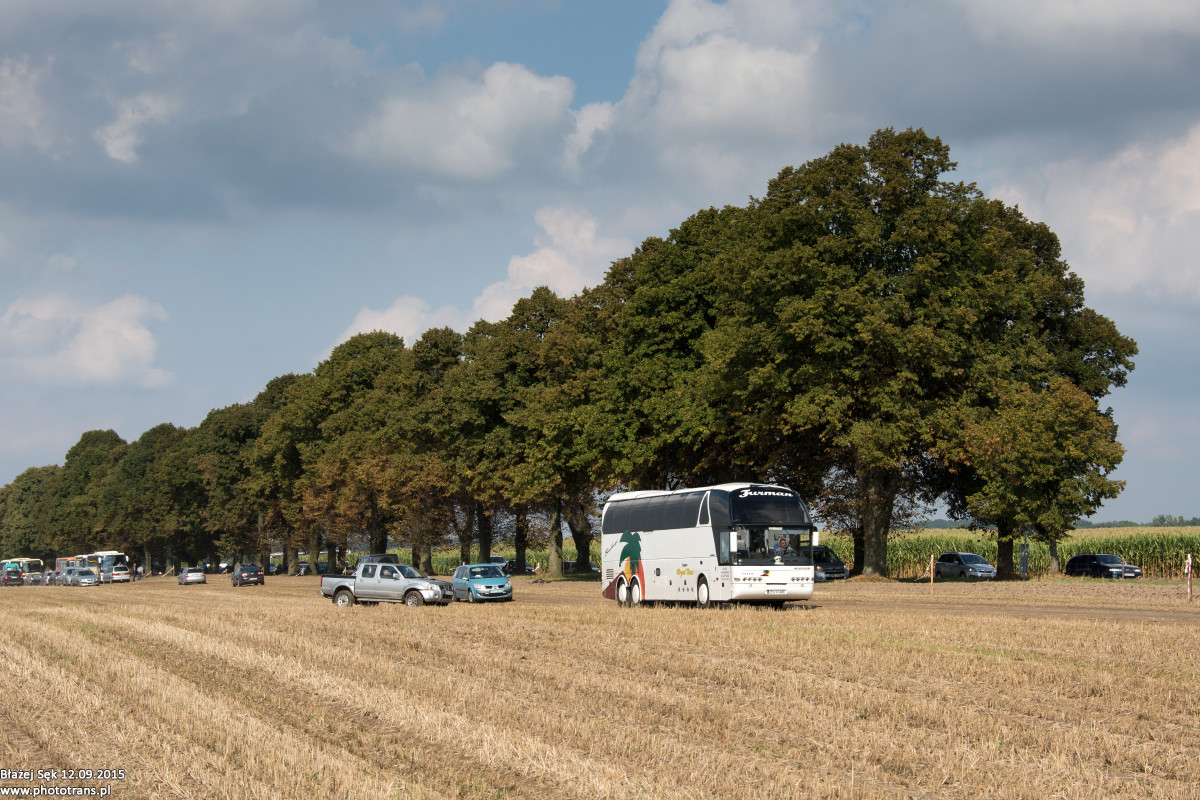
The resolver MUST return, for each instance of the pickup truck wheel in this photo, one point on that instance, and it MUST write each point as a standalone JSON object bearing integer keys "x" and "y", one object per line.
{"x": 414, "y": 599}
{"x": 343, "y": 599}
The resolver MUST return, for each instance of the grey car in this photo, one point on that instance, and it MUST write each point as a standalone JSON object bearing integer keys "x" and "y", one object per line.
{"x": 85, "y": 577}
{"x": 828, "y": 566}
{"x": 191, "y": 575}
{"x": 963, "y": 565}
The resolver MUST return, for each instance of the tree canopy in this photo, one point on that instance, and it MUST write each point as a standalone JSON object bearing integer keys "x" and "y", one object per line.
{"x": 868, "y": 331}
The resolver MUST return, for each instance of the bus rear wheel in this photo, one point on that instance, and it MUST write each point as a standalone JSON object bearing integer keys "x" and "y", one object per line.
{"x": 622, "y": 592}
{"x": 702, "y": 598}
{"x": 635, "y": 594}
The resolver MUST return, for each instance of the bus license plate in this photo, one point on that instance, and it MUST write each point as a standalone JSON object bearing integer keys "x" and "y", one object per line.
{"x": 776, "y": 591}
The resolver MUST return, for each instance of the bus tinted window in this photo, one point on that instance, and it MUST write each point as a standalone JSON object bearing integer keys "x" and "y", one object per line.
{"x": 652, "y": 517}
{"x": 718, "y": 509}
{"x": 766, "y": 506}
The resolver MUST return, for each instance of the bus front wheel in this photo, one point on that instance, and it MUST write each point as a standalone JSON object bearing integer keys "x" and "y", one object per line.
{"x": 702, "y": 598}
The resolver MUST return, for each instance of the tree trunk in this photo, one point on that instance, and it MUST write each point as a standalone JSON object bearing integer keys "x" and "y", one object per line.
{"x": 860, "y": 548}
{"x": 465, "y": 535}
{"x": 331, "y": 558}
{"x": 426, "y": 555}
{"x": 520, "y": 538}
{"x": 483, "y": 519}
{"x": 377, "y": 535}
{"x": 414, "y": 546}
{"x": 1006, "y": 569}
{"x": 314, "y": 548}
{"x": 292, "y": 558}
{"x": 581, "y": 534}
{"x": 1053, "y": 544}
{"x": 878, "y": 486}
{"x": 556, "y": 541}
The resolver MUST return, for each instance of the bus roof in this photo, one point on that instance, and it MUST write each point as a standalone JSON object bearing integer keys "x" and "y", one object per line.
{"x": 727, "y": 487}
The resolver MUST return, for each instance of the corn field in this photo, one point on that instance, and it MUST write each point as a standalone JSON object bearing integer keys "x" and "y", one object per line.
{"x": 1160, "y": 552}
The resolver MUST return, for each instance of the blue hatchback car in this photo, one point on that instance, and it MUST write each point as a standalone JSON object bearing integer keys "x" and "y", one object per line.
{"x": 476, "y": 582}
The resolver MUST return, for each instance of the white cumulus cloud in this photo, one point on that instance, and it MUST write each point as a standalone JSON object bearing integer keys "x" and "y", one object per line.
{"x": 57, "y": 340}
{"x": 1128, "y": 222}
{"x": 408, "y": 317}
{"x": 569, "y": 255}
{"x": 467, "y": 127}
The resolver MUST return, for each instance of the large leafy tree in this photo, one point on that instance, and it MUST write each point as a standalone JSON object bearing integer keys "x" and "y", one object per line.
{"x": 423, "y": 482}
{"x": 654, "y": 310}
{"x": 274, "y": 463}
{"x": 218, "y": 451}
{"x": 344, "y": 454}
{"x": 26, "y": 512}
{"x": 1041, "y": 458}
{"x": 150, "y": 498}
{"x": 841, "y": 325}
{"x": 76, "y": 512}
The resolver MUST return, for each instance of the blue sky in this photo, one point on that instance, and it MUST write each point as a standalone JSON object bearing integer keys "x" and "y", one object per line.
{"x": 198, "y": 196}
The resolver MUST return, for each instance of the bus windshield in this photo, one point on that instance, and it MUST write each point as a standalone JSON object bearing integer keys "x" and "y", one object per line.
{"x": 108, "y": 560}
{"x": 760, "y": 544}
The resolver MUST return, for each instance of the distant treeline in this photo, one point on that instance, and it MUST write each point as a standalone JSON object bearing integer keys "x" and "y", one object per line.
{"x": 870, "y": 333}
{"x": 1160, "y": 521}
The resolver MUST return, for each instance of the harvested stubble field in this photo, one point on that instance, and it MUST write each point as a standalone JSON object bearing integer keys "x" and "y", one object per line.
{"x": 1049, "y": 689}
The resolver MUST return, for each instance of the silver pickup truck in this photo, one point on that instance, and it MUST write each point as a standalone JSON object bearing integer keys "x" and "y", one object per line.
{"x": 385, "y": 583}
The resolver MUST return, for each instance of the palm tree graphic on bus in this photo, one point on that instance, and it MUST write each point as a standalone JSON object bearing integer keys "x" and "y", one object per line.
{"x": 630, "y": 561}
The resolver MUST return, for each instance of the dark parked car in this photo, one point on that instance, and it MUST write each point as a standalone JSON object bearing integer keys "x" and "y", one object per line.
{"x": 829, "y": 566}
{"x": 1100, "y": 565}
{"x": 247, "y": 573}
{"x": 963, "y": 565}
{"x": 569, "y": 567}
{"x": 12, "y": 577}
{"x": 510, "y": 567}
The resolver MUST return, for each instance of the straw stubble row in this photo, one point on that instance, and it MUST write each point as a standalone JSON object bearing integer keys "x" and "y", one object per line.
{"x": 566, "y": 696}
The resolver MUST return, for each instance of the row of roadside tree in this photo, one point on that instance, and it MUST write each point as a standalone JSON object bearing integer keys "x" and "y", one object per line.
{"x": 869, "y": 332}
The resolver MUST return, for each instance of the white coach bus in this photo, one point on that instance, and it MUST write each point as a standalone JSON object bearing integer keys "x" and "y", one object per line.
{"x": 737, "y": 542}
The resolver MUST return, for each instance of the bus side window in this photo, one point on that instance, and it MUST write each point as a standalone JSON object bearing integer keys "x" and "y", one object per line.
{"x": 704, "y": 516}
{"x": 723, "y": 548}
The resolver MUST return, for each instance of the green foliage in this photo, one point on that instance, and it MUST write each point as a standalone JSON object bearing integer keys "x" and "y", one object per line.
{"x": 868, "y": 328}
